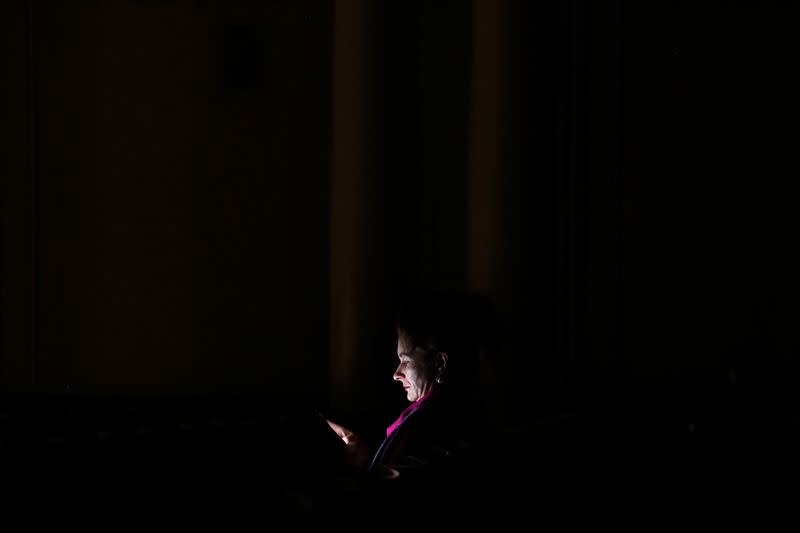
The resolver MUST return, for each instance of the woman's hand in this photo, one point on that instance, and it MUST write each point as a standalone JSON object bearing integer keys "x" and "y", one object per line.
{"x": 356, "y": 450}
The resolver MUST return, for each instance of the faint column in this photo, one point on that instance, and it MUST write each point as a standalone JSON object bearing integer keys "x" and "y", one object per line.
{"x": 354, "y": 235}
{"x": 489, "y": 131}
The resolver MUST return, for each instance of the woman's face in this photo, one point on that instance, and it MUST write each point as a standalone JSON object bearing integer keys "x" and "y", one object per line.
{"x": 416, "y": 371}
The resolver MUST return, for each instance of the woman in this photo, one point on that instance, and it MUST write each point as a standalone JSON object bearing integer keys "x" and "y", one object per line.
{"x": 439, "y": 338}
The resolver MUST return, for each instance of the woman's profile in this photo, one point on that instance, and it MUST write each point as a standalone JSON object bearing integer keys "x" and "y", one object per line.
{"x": 440, "y": 336}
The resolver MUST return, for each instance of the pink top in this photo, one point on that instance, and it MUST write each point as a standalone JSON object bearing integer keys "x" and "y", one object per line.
{"x": 407, "y": 411}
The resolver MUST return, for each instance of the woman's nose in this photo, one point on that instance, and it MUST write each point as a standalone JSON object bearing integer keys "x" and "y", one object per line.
{"x": 397, "y": 376}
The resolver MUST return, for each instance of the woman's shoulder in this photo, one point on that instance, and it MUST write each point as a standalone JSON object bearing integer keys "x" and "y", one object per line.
{"x": 443, "y": 416}
{"x": 435, "y": 439}
{"x": 451, "y": 402}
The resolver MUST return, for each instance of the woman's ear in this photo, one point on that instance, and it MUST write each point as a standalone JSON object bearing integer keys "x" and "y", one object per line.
{"x": 441, "y": 360}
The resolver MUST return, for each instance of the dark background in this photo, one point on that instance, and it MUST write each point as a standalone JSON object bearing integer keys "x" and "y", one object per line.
{"x": 231, "y": 197}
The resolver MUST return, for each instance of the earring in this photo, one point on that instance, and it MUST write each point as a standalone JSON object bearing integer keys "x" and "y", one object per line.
{"x": 439, "y": 376}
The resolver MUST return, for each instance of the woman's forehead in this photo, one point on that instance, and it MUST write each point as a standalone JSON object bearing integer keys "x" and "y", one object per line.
{"x": 405, "y": 346}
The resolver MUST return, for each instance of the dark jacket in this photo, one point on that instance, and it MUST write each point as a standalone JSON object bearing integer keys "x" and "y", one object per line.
{"x": 443, "y": 422}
